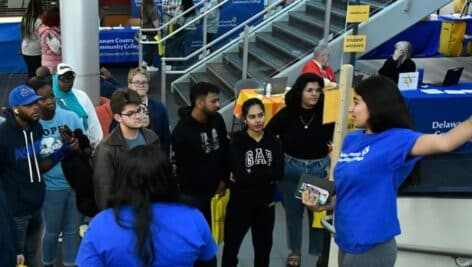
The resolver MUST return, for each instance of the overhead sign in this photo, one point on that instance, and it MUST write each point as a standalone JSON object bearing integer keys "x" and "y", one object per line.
{"x": 355, "y": 43}
{"x": 357, "y": 13}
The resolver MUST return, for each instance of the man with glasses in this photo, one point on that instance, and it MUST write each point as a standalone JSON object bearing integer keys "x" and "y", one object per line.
{"x": 138, "y": 80}
{"x": 78, "y": 101}
{"x": 111, "y": 152}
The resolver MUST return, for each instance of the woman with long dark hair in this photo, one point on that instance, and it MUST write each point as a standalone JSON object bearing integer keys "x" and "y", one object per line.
{"x": 50, "y": 36}
{"x": 305, "y": 142}
{"x": 374, "y": 162}
{"x": 30, "y": 44}
{"x": 256, "y": 165}
{"x": 148, "y": 225}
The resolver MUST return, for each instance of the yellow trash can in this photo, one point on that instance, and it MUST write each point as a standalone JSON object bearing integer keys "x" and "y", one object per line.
{"x": 452, "y": 37}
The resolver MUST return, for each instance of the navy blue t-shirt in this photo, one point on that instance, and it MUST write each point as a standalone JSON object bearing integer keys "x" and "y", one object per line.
{"x": 367, "y": 175}
{"x": 180, "y": 234}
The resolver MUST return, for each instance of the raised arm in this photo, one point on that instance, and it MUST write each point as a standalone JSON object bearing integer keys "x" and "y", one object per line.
{"x": 428, "y": 144}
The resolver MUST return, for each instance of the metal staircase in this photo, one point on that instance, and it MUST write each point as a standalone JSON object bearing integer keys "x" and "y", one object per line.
{"x": 281, "y": 46}
{"x": 271, "y": 50}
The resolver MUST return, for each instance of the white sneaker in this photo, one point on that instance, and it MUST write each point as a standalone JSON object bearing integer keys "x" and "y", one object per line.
{"x": 152, "y": 68}
{"x": 464, "y": 262}
{"x": 144, "y": 64}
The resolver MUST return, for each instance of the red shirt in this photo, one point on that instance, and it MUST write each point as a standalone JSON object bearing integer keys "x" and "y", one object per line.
{"x": 326, "y": 73}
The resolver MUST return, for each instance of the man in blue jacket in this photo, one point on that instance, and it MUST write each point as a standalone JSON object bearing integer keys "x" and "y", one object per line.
{"x": 20, "y": 175}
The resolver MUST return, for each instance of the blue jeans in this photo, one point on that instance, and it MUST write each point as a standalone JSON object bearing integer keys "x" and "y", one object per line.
{"x": 60, "y": 215}
{"x": 294, "y": 208}
{"x": 28, "y": 234}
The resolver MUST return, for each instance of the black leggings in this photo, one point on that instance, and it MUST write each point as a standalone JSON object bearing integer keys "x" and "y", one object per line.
{"x": 248, "y": 210}
{"x": 32, "y": 63}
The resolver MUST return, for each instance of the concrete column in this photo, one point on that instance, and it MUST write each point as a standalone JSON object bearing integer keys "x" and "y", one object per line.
{"x": 79, "y": 28}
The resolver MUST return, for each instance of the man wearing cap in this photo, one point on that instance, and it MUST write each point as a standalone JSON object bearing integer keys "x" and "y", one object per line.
{"x": 77, "y": 101}
{"x": 20, "y": 175}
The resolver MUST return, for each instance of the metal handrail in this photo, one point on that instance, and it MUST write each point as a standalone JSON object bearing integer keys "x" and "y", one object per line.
{"x": 201, "y": 15}
{"x": 204, "y": 47}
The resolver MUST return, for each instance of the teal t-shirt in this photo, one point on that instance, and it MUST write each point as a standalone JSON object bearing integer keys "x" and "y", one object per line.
{"x": 139, "y": 140}
{"x": 51, "y": 141}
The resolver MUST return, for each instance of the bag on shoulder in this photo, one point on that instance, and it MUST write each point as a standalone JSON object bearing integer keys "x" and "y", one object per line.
{"x": 53, "y": 43}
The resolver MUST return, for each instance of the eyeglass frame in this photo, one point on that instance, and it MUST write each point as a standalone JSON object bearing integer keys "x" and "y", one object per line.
{"x": 133, "y": 113}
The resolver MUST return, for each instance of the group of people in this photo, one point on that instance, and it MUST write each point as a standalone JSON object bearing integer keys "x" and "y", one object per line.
{"x": 183, "y": 13}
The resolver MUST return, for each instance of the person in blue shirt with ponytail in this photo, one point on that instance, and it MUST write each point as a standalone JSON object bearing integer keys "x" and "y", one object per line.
{"x": 373, "y": 163}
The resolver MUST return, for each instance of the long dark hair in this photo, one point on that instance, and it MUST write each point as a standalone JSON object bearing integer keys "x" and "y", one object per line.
{"x": 385, "y": 103}
{"x": 248, "y": 104}
{"x": 33, "y": 11}
{"x": 145, "y": 177}
{"x": 294, "y": 97}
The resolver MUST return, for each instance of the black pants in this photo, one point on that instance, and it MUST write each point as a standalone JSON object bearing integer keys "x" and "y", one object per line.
{"x": 249, "y": 210}
{"x": 32, "y": 63}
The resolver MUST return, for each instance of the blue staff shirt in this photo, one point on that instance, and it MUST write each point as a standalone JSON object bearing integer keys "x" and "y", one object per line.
{"x": 367, "y": 175}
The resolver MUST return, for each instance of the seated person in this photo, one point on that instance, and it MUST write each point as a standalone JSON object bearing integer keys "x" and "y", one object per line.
{"x": 399, "y": 62}
{"x": 319, "y": 64}
{"x": 108, "y": 84}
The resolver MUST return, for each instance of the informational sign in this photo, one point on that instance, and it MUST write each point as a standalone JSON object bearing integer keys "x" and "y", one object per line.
{"x": 355, "y": 43}
{"x": 118, "y": 45}
{"x": 408, "y": 81}
{"x": 357, "y": 13}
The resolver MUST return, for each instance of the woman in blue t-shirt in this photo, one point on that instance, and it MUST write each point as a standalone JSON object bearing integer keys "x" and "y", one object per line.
{"x": 147, "y": 226}
{"x": 373, "y": 163}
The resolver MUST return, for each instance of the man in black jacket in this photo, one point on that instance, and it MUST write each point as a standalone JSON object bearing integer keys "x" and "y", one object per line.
{"x": 201, "y": 147}
{"x": 110, "y": 153}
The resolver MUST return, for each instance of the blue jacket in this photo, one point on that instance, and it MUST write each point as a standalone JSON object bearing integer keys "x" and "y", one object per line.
{"x": 159, "y": 123}
{"x": 19, "y": 165}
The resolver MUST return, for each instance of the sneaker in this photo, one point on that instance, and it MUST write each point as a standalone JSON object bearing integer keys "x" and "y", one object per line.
{"x": 152, "y": 68}
{"x": 464, "y": 262}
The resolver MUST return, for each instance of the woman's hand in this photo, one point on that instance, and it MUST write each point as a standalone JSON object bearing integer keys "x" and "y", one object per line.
{"x": 310, "y": 200}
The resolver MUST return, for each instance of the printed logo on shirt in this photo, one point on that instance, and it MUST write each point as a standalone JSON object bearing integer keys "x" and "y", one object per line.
{"x": 51, "y": 141}
{"x": 210, "y": 143}
{"x": 22, "y": 152}
{"x": 354, "y": 156}
{"x": 258, "y": 157}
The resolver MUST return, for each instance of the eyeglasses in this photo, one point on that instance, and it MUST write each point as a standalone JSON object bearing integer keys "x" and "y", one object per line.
{"x": 141, "y": 83}
{"x": 67, "y": 78}
{"x": 134, "y": 113}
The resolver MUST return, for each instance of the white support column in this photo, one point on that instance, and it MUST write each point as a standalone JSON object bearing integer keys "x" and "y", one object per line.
{"x": 79, "y": 29}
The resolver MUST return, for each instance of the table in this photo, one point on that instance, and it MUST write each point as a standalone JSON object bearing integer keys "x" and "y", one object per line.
{"x": 438, "y": 113}
{"x": 271, "y": 104}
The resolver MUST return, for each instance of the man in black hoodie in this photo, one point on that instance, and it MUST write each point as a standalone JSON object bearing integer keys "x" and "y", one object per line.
{"x": 200, "y": 146}
{"x": 19, "y": 170}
